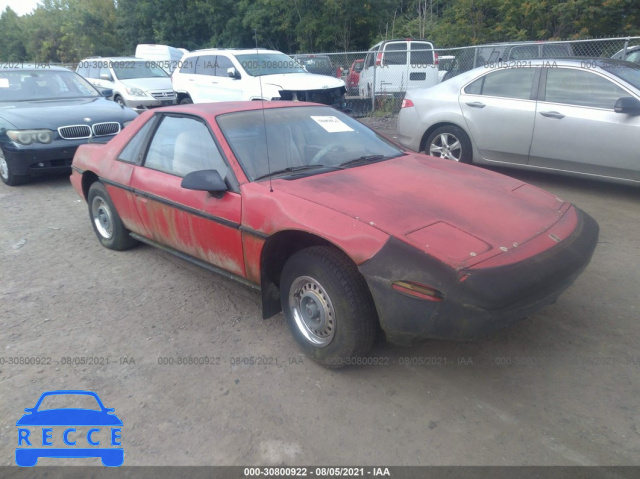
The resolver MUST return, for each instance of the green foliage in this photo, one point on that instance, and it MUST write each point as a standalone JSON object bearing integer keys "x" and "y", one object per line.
{"x": 69, "y": 30}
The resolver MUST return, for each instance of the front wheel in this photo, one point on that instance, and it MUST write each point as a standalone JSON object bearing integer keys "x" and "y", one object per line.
{"x": 451, "y": 143}
{"x": 328, "y": 306}
{"x": 186, "y": 101}
{"x": 118, "y": 99}
{"x": 7, "y": 176}
{"x": 105, "y": 220}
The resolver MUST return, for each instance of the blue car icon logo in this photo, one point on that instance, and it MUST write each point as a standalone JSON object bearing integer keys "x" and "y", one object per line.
{"x": 68, "y": 432}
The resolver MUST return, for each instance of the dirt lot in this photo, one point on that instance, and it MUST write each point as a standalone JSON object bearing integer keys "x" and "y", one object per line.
{"x": 559, "y": 388}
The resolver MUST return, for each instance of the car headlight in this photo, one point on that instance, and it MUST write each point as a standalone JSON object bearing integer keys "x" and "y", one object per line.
{"x": 136, "y": 92}
{"x": 27, "y": 137}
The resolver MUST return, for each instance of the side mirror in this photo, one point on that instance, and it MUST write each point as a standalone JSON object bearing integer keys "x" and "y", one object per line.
{"x": 106, "y": 76}
{"x": 205, "y": 180}
{"x": 628, "y": 105}
{"x": 233, "y": 73}
{"x": 107, "y": 92}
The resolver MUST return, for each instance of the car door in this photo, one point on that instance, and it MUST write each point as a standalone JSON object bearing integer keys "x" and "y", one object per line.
{"x": 576, "y": 128}
{"x": 422, "y": 68}
{"x": 393, "y": 73}
{"x": 204, "y": 80}
{"x": 226, "y": 87}
{"x": 195, "y": 223}
{"x": 499, "y": 110}
{"x": 365, "y": 81}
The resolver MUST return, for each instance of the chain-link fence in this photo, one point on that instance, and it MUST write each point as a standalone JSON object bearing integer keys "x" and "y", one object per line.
{"x": 377, "y": 79}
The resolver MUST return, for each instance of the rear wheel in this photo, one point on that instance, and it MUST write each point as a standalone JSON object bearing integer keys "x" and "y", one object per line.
{"x": 328, "y": 306}
{"x": 7, "y": 176}
{"x": 105, "y": 220}
{"x": 451, "y": 143}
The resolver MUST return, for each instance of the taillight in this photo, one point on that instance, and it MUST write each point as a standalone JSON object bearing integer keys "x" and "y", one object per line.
{"x": 379, "y": 59}
{"x": 406, "y": 103}
{"x": 435, "y": 58}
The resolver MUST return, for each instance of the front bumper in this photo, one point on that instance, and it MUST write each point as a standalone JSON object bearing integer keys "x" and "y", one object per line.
{"x": 40, "y": 159}
{"x": 477, "y": 302}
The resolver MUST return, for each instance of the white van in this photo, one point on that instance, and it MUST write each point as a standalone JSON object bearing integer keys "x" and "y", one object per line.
{"x": 397, "y": 66}
{"x": 168, "y": 58}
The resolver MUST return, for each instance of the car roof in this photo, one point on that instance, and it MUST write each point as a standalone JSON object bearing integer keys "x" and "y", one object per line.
{"x": 219, "y": 108}
{"x": 232, "y": 50}
{"x": 114, "y": 59}
{"x": 565, "y": 61}
{"x": 7, "y": 67}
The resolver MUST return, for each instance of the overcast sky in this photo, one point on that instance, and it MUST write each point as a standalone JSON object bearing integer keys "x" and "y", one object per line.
{"x": 19, "y": 6}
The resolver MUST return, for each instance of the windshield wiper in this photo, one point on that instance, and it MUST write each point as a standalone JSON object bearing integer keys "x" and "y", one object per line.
{"x": 367, "y": 159}
{"x": 295, "y": 169}
{"x": 362, "y": 160}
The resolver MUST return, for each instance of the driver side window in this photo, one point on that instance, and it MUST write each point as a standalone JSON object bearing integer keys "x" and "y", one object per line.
{"x": 182, "y": 145}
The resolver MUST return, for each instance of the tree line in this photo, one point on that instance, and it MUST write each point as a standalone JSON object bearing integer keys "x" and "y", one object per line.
{"x": 68, "y": 30}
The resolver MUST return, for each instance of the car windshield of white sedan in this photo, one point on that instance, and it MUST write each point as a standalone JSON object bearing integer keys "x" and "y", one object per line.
{"x": 629, "y": 73}
{"x": 300, "y": 141}
{"x": 258, "y": 64}
{"x": 35, "y": 85}
{"x": 126, "y": 70}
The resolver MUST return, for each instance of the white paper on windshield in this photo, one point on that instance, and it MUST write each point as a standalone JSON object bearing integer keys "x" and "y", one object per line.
{"x": 4, "y": 83}
{"x": 331, "y": 124}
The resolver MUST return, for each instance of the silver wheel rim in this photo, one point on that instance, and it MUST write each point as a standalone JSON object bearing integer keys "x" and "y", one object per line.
{"x": 101, "y": 215}
{"x": 120, "y": 101}
{"x": 312, "y": 311}
{"x": 445, "y": 145}
{"x": 4, "y": 168}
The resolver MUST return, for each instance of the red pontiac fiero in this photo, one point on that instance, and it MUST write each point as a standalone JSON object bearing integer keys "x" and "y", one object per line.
{"x": 339, "y": 228}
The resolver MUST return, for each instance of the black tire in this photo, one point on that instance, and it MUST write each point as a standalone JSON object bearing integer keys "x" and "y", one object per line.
{"x": 105, "y": 220}
{"x": 328, "y": 306}
{"x": 118, "y": 99}
{"x": 7, "y": 176}
{"x": 457, "y": 147}
{"x": 186, "y": 101}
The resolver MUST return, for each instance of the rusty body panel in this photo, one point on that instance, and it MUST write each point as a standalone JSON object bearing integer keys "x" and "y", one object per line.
{"x": 193, "y": 222}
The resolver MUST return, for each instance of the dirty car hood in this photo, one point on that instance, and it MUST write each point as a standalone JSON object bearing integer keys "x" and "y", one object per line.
{"x": 431, "y": 203}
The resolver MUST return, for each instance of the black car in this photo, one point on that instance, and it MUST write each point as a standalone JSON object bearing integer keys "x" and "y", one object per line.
{"x": 46, "y": 112}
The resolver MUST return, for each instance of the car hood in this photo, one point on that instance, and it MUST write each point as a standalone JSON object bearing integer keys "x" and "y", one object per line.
{"x": 69, "y": 417}
{"x": 459, "y": 213}
{"x": 149, "y": 84}
{"x": 55, "y": 113}
{"x": 302, "y": 81}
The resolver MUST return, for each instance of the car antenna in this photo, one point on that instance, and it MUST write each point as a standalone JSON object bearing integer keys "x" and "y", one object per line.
{"x": 264, "y": 118}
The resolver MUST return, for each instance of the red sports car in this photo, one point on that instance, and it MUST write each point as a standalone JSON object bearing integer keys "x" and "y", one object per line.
{"x": 341, "y": 229}
{"x": 353, "y": 78}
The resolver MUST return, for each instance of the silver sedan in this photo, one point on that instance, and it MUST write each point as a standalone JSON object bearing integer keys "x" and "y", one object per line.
{"x": 570, "y": 116}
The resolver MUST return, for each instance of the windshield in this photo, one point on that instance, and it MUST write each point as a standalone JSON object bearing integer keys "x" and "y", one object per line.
{"x": 295, "y": 138}
{"x": 258, "y": 64}
{"x": 41, "y": 84}
{"x": 315, "y": 62}
{"x": 126, "y": 70}
{"x": 628, "y": 72}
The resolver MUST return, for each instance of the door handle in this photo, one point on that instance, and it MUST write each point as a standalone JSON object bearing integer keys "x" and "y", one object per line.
{"x": 552, "y": 114}
{"x": 476, "y": 104}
